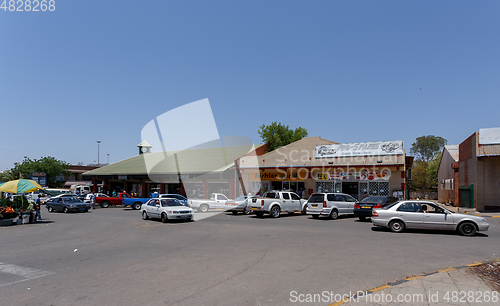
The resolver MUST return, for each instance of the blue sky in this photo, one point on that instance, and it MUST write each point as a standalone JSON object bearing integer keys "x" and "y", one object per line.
{"x": 348, "y": 71}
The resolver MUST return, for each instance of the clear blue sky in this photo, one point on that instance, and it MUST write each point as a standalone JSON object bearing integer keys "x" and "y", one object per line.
{"x": 348, "y": 71}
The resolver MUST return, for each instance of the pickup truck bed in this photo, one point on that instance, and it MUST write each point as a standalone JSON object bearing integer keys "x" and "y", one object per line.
{"x": 123, "y": 198}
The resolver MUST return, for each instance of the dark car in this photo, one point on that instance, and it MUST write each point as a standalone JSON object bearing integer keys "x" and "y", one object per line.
{"x": 363, "y": 209}
{"x": 66, "y": 204}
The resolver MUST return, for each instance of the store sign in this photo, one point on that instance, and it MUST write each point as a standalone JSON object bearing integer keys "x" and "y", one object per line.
{"x": 40, "y": 178}
{"x": 360, "y": 149}
{"x": 122, "y": 177}
{"x": 358, "y": 176}
{"x": 489, "y": 136}
{"x": 266, "y": 176}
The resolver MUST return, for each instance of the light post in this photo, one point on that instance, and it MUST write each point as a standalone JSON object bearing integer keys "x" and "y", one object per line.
{"x": 108, "y": 159}
{"x": 98, "y": 143}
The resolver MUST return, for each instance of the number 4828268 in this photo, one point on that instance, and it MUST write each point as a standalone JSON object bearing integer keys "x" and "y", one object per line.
{"x": 28, "y": 5}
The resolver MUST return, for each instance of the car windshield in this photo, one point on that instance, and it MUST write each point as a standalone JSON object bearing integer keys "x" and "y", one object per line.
{"x": 379, "y": 200}
{"x": 170, "y": 202}
{"x": 240, "y": 198}
{"x": 70, "y": 200}
{"x": 389, "y": 206}
{"x": 316, "y": 198}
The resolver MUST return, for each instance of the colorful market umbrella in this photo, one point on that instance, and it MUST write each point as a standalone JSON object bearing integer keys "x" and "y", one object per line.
{"x": 20, "y": 186}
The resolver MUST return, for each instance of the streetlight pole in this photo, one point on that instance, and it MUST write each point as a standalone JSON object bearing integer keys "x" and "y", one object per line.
{"x": 108, "y": 159}
{"x": 98, "y": 143}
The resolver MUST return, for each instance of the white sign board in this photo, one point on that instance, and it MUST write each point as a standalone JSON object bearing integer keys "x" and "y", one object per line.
{"x": 489, "y": 136}
{"x": 360, "y": 149}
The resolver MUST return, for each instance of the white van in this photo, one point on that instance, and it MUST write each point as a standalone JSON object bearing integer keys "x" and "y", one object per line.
{"x": 331, "y": 205}
{"x": 81, "y": 188}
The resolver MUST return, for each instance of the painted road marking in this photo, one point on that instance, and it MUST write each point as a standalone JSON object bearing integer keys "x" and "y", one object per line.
{"x": 22, "y": 272}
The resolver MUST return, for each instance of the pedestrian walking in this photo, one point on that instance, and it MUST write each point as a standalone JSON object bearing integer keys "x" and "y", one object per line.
{"x": 37, "y": 208}
{"x": 92, "y": 200}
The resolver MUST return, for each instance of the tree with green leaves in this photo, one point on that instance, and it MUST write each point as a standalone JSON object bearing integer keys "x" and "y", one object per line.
{"x": 278, "y": 135}
{"x": 426, "y": 147}
{"x": 49, "y": 165}
{"x": 427, "y": 151}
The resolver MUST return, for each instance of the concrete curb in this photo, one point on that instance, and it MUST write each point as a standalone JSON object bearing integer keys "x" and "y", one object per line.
{"x": 399, "y": 282}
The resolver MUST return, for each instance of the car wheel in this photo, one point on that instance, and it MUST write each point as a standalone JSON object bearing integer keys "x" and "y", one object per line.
{"x": 259, "y": 214}
{"x": 275, "y": 211}
{"x": 234, "y": 212}
{"x": 136, "y": 206}
{"x": 145, "y": 215}
{"x": 247, "y": 210}
{"x": 334, "y": 214}
{"x": 467, "y": 229}
{"x": 104, "y": 204}
{"x": 65, "y": 210}
{"x": 397, "y": 226}
{"x": 164, "y": 218}
{"x": 304, "y": 210}
{"x": 362, "y": 218}
{"x": 50, "y": 209}
{"x": 315, "y": 216}
{"x": 204, "y": 208}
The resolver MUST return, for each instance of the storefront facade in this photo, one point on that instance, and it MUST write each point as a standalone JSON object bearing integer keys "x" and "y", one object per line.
{"x": 317, "y": 165}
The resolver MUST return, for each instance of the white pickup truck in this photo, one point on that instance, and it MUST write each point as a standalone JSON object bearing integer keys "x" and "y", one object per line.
{"x": 275, "y": 202}
{"x": 217, "y": 200}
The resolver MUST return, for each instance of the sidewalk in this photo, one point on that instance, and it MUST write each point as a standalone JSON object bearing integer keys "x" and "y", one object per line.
{"x": 453, "y": 286}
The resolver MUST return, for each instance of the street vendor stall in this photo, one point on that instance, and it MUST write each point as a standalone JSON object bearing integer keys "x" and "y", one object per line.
{"x": 19, "y": 208}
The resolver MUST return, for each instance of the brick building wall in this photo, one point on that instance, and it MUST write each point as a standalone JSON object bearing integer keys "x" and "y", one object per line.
{"x": 488, "y": 183}
{"x": 445, "y": 172}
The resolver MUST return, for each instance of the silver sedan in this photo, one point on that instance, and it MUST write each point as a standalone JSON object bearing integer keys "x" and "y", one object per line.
{"x": 426, "y": 215}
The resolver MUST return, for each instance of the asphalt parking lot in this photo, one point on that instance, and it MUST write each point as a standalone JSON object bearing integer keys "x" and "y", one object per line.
{"x": 113, "y": 257}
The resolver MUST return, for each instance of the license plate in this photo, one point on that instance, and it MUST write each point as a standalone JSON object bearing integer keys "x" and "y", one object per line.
{"x": 314, "y": 205}
{"x": 254, "y": 208}
{"x": 365, "y": 206}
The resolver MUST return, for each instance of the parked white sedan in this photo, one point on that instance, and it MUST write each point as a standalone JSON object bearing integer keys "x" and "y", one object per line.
{"x": 426, "y": 215}
{"x": 166, "y": 209}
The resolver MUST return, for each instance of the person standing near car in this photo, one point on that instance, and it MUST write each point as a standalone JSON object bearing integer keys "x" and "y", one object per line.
{"x": 92, "y": 200}
{"x": 37, "y": 207}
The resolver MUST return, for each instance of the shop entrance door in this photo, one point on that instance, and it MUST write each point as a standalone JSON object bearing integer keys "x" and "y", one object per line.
{"x": 350, "y": 188}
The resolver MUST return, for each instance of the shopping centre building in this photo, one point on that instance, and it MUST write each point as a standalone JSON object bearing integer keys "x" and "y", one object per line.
{"x": 309, "y": 165}
{"x": 314, "y": 164}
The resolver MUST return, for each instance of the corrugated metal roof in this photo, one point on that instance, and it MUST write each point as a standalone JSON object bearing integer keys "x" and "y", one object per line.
{"x": 453, "y": 151}
{"x": 196, "y": 161}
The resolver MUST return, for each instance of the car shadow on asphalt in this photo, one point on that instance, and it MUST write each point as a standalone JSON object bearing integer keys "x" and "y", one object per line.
{"x": 43, "y": 221}
{"x": 266, "y": 216}
{"x": 426, "y": 232}
{"x": 328, "y": 218}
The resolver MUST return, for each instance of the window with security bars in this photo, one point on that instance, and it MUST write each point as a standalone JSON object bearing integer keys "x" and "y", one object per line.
{"x": 325, "y": 186}
{"x": 363, "y": 187}
{"x": 383, "y": 188}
